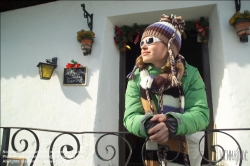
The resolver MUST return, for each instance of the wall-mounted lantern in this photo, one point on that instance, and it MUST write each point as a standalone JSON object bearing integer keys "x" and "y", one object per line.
{"x": 46, "y": 69}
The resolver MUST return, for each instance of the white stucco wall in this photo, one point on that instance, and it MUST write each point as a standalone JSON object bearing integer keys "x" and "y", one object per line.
{"x": 229, "y": 65}
{"x": 31, "y": 35}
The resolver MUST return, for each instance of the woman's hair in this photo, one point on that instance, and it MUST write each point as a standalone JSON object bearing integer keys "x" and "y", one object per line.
{"x": 166, "y": 68}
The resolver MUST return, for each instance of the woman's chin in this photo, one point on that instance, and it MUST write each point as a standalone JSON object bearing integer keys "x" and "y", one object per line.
{"x": 145, "y": 60}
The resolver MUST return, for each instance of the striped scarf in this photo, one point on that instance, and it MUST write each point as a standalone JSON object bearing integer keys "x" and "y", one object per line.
{"x": 170, "y": 99}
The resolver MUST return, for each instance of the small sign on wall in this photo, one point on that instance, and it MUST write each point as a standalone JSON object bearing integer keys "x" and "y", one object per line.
{"x": 75, "y": 76}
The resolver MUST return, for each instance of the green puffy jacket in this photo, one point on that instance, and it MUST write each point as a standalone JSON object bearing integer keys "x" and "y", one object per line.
{"x": 196, "y": 116}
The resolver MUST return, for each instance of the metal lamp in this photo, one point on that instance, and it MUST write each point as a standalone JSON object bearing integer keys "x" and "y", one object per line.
{"x": 46, "y": 69}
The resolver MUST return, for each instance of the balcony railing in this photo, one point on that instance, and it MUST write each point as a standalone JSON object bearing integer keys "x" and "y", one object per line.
{"x": 6, "y": 140}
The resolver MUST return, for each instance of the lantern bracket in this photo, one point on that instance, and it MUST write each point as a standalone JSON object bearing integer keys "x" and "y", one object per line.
{"x": 52, "y": 61}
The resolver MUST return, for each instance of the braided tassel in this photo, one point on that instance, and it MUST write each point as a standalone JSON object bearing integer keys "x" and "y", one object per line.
{"x": 162, "y": 154}
{"x": 131, "y": 75}
{"x": 162, "y": 149}
{"x": 184, "y": 150}
{"x": 150, "y": 103}
{"x": 174, "y": 80}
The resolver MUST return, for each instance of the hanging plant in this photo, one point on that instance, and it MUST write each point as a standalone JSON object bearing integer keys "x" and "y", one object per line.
{"x": 84, "y": 34}
{"x": 239, "y": 16}
{"x": 241, "y": 22}
{"x": 86, "y": 38}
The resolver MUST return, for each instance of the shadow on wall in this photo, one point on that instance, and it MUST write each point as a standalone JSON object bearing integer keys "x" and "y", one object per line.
{"x": 221, "y": 59}
{"x": 11, "y": 69}
{"x": 13, "y": 66}
{"x": 75, "y": 93}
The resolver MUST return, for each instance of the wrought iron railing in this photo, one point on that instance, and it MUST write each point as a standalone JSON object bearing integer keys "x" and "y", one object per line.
{"x": 6, "y": 140}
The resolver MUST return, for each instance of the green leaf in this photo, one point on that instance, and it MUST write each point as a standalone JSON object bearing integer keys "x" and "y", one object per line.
{"x": 75, "y": 62}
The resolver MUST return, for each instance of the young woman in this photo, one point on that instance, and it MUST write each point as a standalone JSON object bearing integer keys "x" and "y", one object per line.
{"x": 165, "y": 97}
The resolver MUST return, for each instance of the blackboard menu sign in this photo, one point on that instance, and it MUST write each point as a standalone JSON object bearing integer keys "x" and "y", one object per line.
{"x": 75, "y": 76}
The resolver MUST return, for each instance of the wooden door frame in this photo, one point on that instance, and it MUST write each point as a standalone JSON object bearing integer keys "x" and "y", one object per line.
{"x": 122, "y": 89}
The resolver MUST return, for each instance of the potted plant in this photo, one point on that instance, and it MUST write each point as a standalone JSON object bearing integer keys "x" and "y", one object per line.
{"x": 241, "y": 22}
{"x": 86, "y": 38}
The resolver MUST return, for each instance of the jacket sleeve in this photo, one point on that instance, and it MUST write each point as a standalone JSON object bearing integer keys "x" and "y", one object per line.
{"x": 196, "y": 115}
{"x": 134, "y": 112}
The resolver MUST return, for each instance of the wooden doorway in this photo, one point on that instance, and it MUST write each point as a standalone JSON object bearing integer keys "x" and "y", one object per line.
{"x": 196, "y": 54}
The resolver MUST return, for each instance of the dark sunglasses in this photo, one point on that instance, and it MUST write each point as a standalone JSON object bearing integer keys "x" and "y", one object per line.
{"x": 149, "y": 40}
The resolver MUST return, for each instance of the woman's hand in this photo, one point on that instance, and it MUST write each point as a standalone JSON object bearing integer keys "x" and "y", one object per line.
{"x": 159, "y": 133}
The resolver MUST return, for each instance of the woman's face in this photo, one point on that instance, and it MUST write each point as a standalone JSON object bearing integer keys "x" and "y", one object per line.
{"x": 155, "y": 53}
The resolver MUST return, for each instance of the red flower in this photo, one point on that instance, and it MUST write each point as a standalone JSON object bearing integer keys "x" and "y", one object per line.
{"x": 201, "y": 29}
{"x": 77, "y": 65}
{"x": 70, "y": 65}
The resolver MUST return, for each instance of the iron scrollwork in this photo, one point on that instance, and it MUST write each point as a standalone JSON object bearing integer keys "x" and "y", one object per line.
{"x": 88, "y": 16}
{"x": 26, "y": 144}
{"x": 68, "y": 147}
{"x": 110, "y": 146}
{"x": 104, "y": 134}
{"x": 219, "y": 146}
{"x": 212, "y": 148}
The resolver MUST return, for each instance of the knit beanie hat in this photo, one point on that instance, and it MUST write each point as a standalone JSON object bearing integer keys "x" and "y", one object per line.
{"x": 168, "y": 29}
